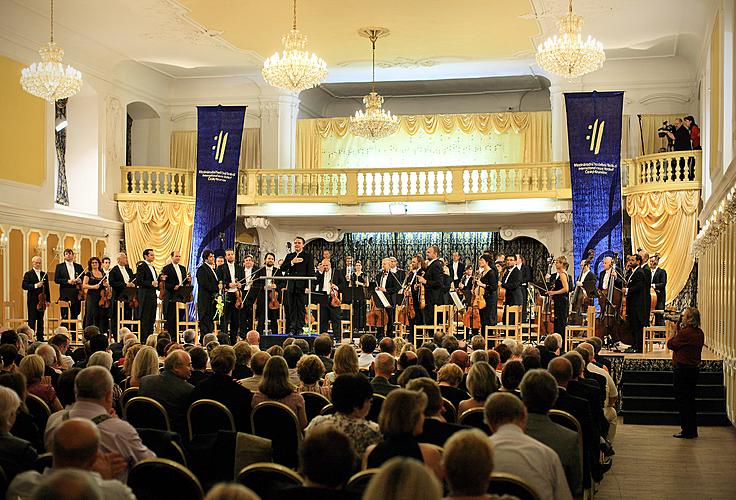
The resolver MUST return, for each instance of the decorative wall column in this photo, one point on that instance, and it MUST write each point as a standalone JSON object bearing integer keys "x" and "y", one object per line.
{"x": 564, "y": 219}
{"x": 278, "y": 131}
{"x": 559, "y": 124}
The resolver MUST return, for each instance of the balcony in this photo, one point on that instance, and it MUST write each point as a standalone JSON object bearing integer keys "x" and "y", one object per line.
{"x": 671, "y": 171}
{"x": 156, "y": 184}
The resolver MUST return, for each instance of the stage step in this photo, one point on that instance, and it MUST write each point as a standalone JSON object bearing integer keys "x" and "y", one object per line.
{"x": 648, "y": 398}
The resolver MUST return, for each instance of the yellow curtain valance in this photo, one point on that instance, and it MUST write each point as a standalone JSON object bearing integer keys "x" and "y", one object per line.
{"x": 183, "y": 149}
{"x": 666, "y": 223}
{"x": 163, "y": 226}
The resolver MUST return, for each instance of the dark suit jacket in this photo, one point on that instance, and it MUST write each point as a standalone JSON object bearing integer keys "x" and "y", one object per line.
{"x": 579, "y": 409}
{"x": 207, "y": 287}
{"x": 592, "y": 395}
{"x": 437, "y": 432}
{"x": 174, "y": 393}
{"x": 225, "y": 390}
{"x": 117, "y": 283}
{"x": 61, "y": 278}
{"x": 143, "y": 276}
{"x": 659, "y": 280}
{"x": 392, "y": 286}
{"x": 435, "y": 283}
{"x": 337, "y": 279}
{"x": 171, "y": 280}
{"x": 545, "y": 356}
{"x": 638, "y": 297}
{"x": 460, "y": 271}
{"x": 512, "y": 284}
{"x": 382, "y": 386}
{"x": 616, "y": 280}
{"x": 527, "y": 274}
{"x": 258, "y": 284}
{"x": 16, "y": 455}
{"x": 565, "y": 443}
{"x": 29, "y": 284}
{"x": 454, "y": 395}
{"x": 589, "y": 284}
{"x": 304, "y": 268}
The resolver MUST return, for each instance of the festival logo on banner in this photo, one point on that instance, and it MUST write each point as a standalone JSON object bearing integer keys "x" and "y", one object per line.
{"x": 219, "y": 135}
{"x": 594, "y": 139}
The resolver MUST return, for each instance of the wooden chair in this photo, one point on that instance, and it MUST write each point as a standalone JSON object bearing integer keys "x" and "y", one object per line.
{"x": 442, "y": 317}
{"x": 281, "y": 322}
{"x": 652, "y": 335}
{"x": 346, "y": 324}
{"x": 531, "y": 330}
{"x": 314, "y": 402}
{"x": 450, "y": 411}
{"x": 206, "y": 416}
{"x": 160, "y": 322}
{"x": 74, "y": 325}
{"x": 315, "y": 312}
{"x": 146, "y": 413}
{"x": 157, "y": 478}
{"x": 474, "y": 418}
{"x": 9, "y": 313}
{"x": 38, "y": 409}
{"x": 185, "y": 324}
{"x": 134, "y": 325}
{"x": 378, "y": 400}
{"x": 424, "y": 333}
{"x": 268, "y": 480}
{"x": 509, "y": 484}
{"x": 358, "y": 483}
{"x": 509, "y": 330}
{"x": 576, "y": 334}
{"x": 277, "y": 422}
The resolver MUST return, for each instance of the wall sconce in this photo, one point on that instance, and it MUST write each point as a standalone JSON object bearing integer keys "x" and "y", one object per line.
{"x": 57, "y": 253}
{"x": 40, "y": 246}
{"x": 3, "y": 242}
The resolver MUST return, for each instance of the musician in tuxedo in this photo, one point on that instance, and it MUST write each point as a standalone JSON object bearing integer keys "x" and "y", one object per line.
{"x": 457, "y": 269}
{"x": 465, "y": 286}
{"x": 526, "y": 275}
{"x": 637, "y": 302}
{"x": 512, "y": 284}
{"x": 106, "y": 312}
{"x": 388, "y": 283}
{"x": 174, "y": 276}
{"x": 269, "y": 270}
{"x": 587, "y": 280}
{"x": 399, "y": 274}
{"x": 347, "y": 290}
{"x": 659, "y": 284}
{"x": 121, "y": 277}
{"x": 36, "y": 282}
{"x": 608, "y": 272}
{"x": 433, "y": 281}
{"x": 297, "y": 263}
{"x": 147, "y": 281}
{"x": 207, "y": 289}
{"x": 446, "y": 283}
{"x": 328, "y": 280}
{"x": 250, "y": 294}
{"x": 230, "y": 274}
{"x": 68, "y": 275}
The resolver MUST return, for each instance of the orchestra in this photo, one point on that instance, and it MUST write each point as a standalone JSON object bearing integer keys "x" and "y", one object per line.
{"x": 626, "y": 299}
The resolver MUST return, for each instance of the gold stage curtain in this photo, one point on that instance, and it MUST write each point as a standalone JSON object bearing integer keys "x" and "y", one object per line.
{"x": 649, "y": 126}
{"x": 666, "y": 223}
{"x": 534, "y": 127}
{"x": 163, "y": 226}
{"x": 183, "y": 151}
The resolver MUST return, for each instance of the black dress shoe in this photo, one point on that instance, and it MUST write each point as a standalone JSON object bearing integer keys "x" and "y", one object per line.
{"x": 682, "y": 435}
{"x": 630, "y": 350}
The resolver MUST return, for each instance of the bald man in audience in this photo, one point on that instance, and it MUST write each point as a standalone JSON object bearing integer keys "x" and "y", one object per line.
{"x": 254, "y": 339}
{"x": 384, "y": 368}
{"x": 68, "y": 484}
{"x": 76, "y": 446}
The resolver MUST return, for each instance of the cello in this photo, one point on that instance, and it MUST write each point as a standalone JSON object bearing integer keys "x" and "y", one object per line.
{"x": 579, "y": 297}
{"x": 471, "y": 317}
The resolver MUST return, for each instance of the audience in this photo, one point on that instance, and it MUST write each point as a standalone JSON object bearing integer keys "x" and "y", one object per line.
{"x": 511, "y": 375}
{"x": 346, "y": 361}
{"x": 311, "y": 370}
{"x": 441, "y": 357}
{"x": 243, "y": 354}
{"x": 68, "y": 484}
{"x": 16, "y": 455}
{"x": 231, "y": 491}
{"x": 449, "y": 378}
{"x": 468, "y": 463}
{"x": 254, "y": 340}
{"x": 609, "y": 406}
{"x": 516, "y": 453}
{"x": 145, "y": 363}
{"x": 257, "y": 364}
{"x": 436, "y": 430}
{"x": 401, "y": 479}
{"x": 587, "y": 390}
{"x": 38, "y": 384}
{"x": 481, "y": 383}
{"x": 171, "y": 389}
{"x": 292, "y": 354}
{"x": 367, "y": 346}
{"x": 425, "y": 359}
{"x": 200, "y": 358}
{"x": 323, "y": 349}
{"x": 384, "y": 368}
{"x": 276, "y": 386}
{"x": 65, "y": 386}
{"x": 26, "y": 426}
{"x": 411, "y": 373}
{"x": 387, "y": 345}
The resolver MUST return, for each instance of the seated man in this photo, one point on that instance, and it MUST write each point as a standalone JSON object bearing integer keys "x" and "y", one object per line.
{"x": 516, "y": 453}
{"x": 221, "y": 387}
{"x": 384, "y": 367}
{"x": 292, "y": 353}
{"x": 323, "y": 349}
{"x": 93, "y": 387}
{"x": 539, "y": 393}
{"x": 171, "y": 389}
{"x": 468, "y": 464}
{"x": 76, "y": 445}
{"x": 257, "y": 364}
{"x": 436, "y": 429}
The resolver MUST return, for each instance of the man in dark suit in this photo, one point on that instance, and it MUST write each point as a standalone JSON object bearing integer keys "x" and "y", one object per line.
{"x": 637, "y": 303}
{"x": 170, "y": 387}
{"x": 231, "y": 275}
{"x": 301, "y": 264}
{"x": 328, "y": 280}
{"x": 587, "y": 390}
{"x": 436, "y": 430}
{"x": 174, "y": 276}
{"x": 269, "y": 271}
{"x": 384, "y": 368}
{"x": 251, "y": 290}
{"x": 526, "y": 275}
{"x": 512, "y": 283}
{"x": 659, "y": 284}
{"x": 457, "y": 269}
{"x": 36, "y": 282}
{"x": 433, "y": 281}
{"x": 68, "y": 275}
{"x": 147, "y": 280}
{"x": 399, "y": 275}
{"x": 120, "y": 277}
{"x": 388, "y": 283}
{"x": 587, "y": 280}
{"x": 207, "y": 286}
{"x": 466, "y": 285}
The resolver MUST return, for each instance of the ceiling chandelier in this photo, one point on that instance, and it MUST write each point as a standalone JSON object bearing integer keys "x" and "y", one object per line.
{"x": 375, "y": 122}
{"x": 566, "y": 54}
{"x": 295, "y": 69}
{"x": 49, "y": 79}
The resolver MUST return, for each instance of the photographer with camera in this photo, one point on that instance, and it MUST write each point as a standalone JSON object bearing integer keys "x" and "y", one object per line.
{"x": 687, "y": 347}
{"x": 680, "y": 136}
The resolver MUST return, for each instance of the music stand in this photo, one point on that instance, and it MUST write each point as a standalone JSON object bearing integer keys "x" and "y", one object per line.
{"x": 266, "y": 330}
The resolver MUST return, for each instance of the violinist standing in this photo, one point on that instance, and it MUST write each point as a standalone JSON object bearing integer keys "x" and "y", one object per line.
{"x": 147, "y": 280}
{"x": 358, "y": 284}
{"x": 36, "y": 282}
{"x": 559, "y": 294}
{"x": 207, "y": 289}
{"x": 250, "y": 294}
{"x": 106, "y": 308}
{"x": 230, "y": 275}
{"x": 388, "y": 283}
{"x": 92, "y": 283}
{"x": 68, "y": 275}
{"x": 120, "y": 277}
{"x": 328, "y": 281}
{"x": 488, "y": 282}
{"x": 273, "y": 286}
{"x": 174, "y": 276}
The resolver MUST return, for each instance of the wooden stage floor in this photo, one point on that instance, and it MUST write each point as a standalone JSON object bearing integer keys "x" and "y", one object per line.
{"x": 708, "y": 355}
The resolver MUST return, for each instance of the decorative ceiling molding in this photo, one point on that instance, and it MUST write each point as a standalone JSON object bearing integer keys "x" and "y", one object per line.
{"x": 664, "y": 97}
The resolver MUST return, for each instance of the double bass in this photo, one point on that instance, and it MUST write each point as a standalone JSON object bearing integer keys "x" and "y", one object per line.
{"x": 544, "y": 301}
{"x": 610, "y": 323}
{"x": 579, "y": 299}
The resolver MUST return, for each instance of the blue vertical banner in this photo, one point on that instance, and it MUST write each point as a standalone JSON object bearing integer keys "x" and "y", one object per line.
{"x": 219, "y": 135}
{"x": 594, "y": 140}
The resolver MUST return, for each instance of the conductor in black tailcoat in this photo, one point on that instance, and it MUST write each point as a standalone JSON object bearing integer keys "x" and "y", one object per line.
{"x": 659, "y": 284}
{"x": 207, "y": 287}
{"x": 68, "y": 275}
{"x": 36, "y": 282}
{"x": 434, "y": 282}
{"x": 637, "y": 303}
{"x": 297, "y": 263}
{"x": 147, "y": 281}
{"x": 174, "y": 276}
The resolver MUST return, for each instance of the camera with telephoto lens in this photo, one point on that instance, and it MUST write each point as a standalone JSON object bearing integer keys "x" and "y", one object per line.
{"x": 674, "y": 316}
{"x": 666, "y": 127}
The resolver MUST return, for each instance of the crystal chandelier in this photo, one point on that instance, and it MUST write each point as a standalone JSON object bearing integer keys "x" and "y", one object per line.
{"x": 296, "y": 69}
{"x": 49, "y": 79}
{"x": 375, "y": 122}
{"x": 566, "y": 54}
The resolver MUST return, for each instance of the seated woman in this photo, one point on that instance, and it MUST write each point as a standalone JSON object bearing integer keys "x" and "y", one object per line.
{"x": 449, "y": 378}
{"x": 310, "y": 370}
{"x": 16, "y": 455}
{"x": 275, "y": 386}
{"x": 32, "y": 367}
{"x": 481, "y": 383}
{"x": 346, "y": 361}
{"x": 511, "y": 375}
{"x": 352, "y": 395}
{"x": 144, "y": 363}
{"x": 401, "y": 421}
{"x": 25, "y": 426}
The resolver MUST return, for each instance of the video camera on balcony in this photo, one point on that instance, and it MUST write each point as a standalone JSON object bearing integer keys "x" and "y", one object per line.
{"x": 666, "y": 127}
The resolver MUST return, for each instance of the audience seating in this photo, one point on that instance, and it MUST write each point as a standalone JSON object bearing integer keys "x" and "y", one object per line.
{"x": 277, "y": 422}
{"x": 425, "y": 333}
{"x": 267, "y": 479}
{"x": 206, "y": 416}
{"x": 314, "y": 402}
{"x": 568, "y": 421}
{"x": 158, "y": 478}
{"x": 146, "y": 413}
{"x": 508, "y": 330}
{"x": 11, "y": 319}
{"x": 450, "y": 411}
{"x": 38, "y": 409}
{"x": 74, "y": 325}
{"x": 44, "y": 461}
{"x": 474, "y": 418}
{"x": 575, "y": 334}
{"x": 128, "y": 394}
{"x": 509, "y": 484}
{"x": 315, "y": 323}
{"x": 375, "y": 410}
{"x": 359, "y": 482}
{"x": 534, "y": 328}
{"x": 164, "y": 444}
{"x": 328, "y": 410}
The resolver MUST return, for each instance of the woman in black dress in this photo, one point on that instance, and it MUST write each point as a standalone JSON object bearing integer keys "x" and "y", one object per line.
{"x": 489, "y": 285}
{"x": 358, "y": 283}
{"x": 559, "y": 294}
{"x": 92, "y": 279}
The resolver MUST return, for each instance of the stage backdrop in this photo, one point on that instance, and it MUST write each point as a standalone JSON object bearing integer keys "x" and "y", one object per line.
{"x": 594, "y": 139}
{"x": 219, "y": 133}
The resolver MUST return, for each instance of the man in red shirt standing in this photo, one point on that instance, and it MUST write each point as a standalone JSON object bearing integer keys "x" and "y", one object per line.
{"x": 687, "y": 347}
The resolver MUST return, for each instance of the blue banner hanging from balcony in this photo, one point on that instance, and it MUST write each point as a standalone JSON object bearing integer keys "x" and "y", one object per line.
{"x": 219, "y": 135}
{"x": 594, "y": 139}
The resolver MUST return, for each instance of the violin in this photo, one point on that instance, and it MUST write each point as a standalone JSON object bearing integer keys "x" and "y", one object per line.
{"x": 407, "y": 311}
{"x": 133, "y": 300}
{"x": 273, "y": 300}
{"x": 334, "y": 296}
{"x": 238, "y": 299}
{"x": 42, "y": 299}
{"x": 105, "y": 294}
{"x": 161, "y": 286}
{"x": 80, "y": 289}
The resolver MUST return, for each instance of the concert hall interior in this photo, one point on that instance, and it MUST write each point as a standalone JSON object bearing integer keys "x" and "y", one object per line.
{"x": 487, "y": 180}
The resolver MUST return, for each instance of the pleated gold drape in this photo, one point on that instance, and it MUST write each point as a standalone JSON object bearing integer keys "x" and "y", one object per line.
{"x": 183, "y": 153}
{"x": 666, "y": 223}
{"x": 535, "y": 130}
{"x": 163, "y": 226}
{"x": 649, "y": 126}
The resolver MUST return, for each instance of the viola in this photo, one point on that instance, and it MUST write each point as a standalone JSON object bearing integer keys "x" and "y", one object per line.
{"x": 161, "y": 286}
{"x": 41, "y": 304}
{"x": 238, "y": 299}
{"x": 334, "y": 297}
{"x": 105, "y": 294}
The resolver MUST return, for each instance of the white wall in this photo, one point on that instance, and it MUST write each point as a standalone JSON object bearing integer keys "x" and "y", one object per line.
{"x": 82, "y": 161}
